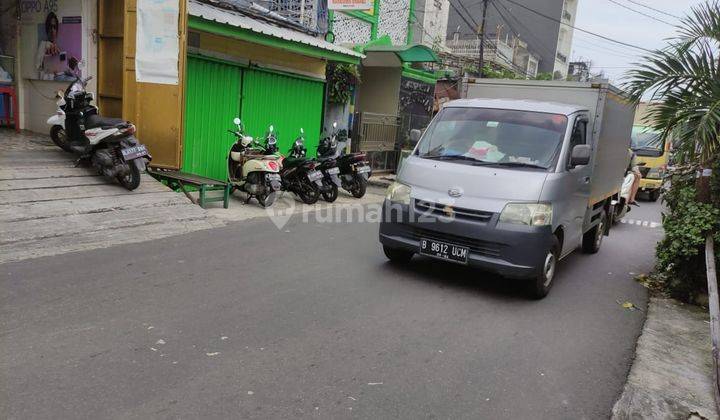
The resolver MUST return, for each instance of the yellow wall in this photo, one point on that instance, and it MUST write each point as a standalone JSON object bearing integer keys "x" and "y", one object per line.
{"x": 155, "y": 109}
{"x": 258, "y": 54}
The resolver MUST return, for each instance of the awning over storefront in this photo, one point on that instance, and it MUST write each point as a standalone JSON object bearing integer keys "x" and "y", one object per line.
{"x": 381, "y": 53}
{"x": 219, "y": 21}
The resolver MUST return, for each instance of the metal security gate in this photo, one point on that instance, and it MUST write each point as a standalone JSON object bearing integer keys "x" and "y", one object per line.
{"x": 288, "y": 103}
{"x": 376, "y": 134}
{"x": 217, "y": 92}
{"x": 212, "y": 100}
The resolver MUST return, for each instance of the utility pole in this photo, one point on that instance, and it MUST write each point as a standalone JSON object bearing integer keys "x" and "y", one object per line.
{"x": 481, "y": 58}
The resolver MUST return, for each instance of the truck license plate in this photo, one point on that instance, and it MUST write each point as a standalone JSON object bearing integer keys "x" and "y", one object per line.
{"x": 444, "y": 251}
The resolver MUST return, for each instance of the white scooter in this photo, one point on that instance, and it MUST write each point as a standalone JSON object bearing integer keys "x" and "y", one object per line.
{"x": 57, "y": 125}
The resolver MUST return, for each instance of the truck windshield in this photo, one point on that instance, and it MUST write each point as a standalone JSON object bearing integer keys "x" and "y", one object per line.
{"x": 494, "y": 137}
{"x": 646, "y": 142}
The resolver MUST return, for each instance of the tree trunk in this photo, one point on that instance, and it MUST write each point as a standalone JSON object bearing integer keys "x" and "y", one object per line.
{"x": 702, "y": 186}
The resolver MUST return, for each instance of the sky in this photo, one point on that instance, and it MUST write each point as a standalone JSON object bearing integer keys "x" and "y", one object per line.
{"x": 607, "y": 18}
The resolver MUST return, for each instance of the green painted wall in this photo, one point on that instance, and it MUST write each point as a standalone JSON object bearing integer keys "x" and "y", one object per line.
{"x": 286, "y": 102}
{"x": 212, "y": 100}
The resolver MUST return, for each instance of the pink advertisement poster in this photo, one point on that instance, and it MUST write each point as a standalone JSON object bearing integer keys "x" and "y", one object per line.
{"x": 53, "y": 33}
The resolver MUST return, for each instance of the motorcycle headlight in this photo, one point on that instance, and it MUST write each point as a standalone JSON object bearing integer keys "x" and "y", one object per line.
{"x": 398, "y": 193}
{"x": 529, "y": 214}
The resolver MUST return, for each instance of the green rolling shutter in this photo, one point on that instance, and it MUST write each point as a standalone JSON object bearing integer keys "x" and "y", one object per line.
{"x": 217, "y": 92}
{"x": 212, "y": 100}
{"x": 288, "y": 103}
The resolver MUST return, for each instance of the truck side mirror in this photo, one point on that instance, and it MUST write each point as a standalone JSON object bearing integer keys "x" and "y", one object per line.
{"x": 415, "y": 135}
{"x": 580, "y": 155}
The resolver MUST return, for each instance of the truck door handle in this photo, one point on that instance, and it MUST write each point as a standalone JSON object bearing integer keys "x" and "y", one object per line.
{"x": 586, "y": 180}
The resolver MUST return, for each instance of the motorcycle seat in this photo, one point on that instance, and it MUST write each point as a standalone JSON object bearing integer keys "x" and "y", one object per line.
{"x": 95, "y": 121}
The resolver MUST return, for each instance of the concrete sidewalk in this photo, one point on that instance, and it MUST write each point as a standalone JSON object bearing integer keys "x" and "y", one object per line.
{"x": 671, "y": 377}
{"x": 49, "y": 207}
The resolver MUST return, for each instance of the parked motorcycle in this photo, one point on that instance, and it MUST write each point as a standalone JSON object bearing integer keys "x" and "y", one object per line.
{"x": 354, "y": 169}
{"x": 327, "y": 160}
{"x": 108, "y": 144}
{"x": 254, "y": 167}
{"x": 299, "y": 173}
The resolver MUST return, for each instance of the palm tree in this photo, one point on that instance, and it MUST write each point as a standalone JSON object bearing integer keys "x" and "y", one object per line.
{"x": 684, "y": 81}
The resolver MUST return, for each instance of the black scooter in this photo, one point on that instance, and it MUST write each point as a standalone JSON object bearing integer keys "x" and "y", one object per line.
{"x": 327, "y": 160}
{"x": 299, "y": 174}
{"x": 355, "y": 170}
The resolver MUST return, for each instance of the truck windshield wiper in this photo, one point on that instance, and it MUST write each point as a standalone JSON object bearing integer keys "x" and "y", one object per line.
{"x": 450, "y": 157}
{"x": 520, "y": 165}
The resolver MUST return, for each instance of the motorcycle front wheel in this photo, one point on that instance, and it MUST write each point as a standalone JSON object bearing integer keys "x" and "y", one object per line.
{"x": 308, "y": 193}
{"x": 59, "y": 137}
{"x": 131, "y": 179}
{"x": 266, "y": 199}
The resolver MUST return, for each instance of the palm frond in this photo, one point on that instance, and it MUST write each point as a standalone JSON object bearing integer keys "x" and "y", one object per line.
{"x": 683, "y": 81}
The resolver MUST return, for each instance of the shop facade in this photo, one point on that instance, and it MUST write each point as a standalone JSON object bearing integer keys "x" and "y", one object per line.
{"x": 264, "y": 74}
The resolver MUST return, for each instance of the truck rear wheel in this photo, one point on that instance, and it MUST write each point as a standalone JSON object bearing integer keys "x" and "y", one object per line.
{"x": 592, "y": 239}
{"x": 540, "y": 284}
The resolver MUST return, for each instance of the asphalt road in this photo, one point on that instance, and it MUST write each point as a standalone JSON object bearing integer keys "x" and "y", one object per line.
{"x": 311, "y": 321}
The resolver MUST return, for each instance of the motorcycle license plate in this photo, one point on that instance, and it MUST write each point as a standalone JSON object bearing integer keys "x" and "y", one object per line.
{"x": 134, "y": 152}
{"x": 362, "y": 169}
{"x": 314, "y": 175}
{"x": 333, "y": 171}
{"x": 444, "y": 251}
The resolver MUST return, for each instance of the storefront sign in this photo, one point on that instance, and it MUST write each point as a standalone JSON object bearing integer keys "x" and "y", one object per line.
{"x": 157, "y": 41}
{"x": 51, "y": 34}
{"x": 416, "y": 97}
{"x": 350, "y": 4}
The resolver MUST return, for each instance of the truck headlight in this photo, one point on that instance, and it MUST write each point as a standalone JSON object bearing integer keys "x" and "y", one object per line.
{"x": 398, "y": 193}
{"x": 529, "y": 214}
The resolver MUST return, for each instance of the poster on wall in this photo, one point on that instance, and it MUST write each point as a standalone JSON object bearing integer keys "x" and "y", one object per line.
{"x": 350, "y": 4}
{"x": 52, "y": 39}
{"x": 157, "y": 41}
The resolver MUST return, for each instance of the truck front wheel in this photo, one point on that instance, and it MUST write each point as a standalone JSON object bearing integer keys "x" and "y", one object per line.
{"x": 540, "y": 284}
{"x": 592, "y": 239}
{"x": 397, "y": 255}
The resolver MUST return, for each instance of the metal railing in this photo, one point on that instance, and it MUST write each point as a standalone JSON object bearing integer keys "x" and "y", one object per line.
{"x": 309, "y": 15}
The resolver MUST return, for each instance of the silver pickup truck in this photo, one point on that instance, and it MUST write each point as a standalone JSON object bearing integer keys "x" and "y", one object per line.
{"x": 512, "y": 179}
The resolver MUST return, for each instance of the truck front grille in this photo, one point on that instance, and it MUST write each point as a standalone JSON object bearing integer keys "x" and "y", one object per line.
{"x": 442, "y": 210}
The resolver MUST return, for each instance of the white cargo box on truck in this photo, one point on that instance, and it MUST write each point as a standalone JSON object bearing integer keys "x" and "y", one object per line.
{"x": 611, "y": 119}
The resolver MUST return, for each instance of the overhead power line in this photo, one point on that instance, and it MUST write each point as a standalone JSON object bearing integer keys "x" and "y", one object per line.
{"x": 576, "y": 28}
{"x": 654, "y": 9}
{"x": 641, "y": 13}
{"x": 539, "y": 43}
